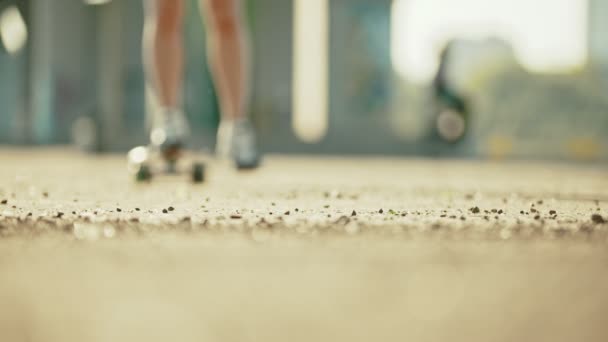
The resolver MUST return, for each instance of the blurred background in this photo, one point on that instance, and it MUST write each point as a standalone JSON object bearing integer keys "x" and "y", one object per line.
{"x": 467, "y": 78}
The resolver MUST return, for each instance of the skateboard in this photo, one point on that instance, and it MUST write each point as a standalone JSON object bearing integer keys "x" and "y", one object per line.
{"x": 146, "y": 162}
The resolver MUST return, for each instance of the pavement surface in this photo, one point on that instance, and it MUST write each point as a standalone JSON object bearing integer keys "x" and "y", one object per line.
{"x": 304, "y": 249}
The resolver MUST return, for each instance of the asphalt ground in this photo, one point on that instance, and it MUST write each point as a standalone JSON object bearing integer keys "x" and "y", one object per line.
{"x": 305, "y": 248}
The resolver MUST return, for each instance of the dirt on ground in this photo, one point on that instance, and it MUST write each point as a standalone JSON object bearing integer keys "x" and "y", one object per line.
{"x": 303, "y": 249}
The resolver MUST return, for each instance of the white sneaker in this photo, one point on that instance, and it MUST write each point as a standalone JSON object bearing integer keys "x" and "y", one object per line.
{"x": 237, "y": 140}
{"x": 169, "y": 132}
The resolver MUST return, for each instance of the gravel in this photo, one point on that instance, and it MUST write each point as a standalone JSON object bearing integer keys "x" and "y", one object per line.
{"x": 193, "y": 274}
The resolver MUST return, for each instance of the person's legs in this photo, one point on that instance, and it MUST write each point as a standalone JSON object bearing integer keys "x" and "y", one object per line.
{"x": 230, "y": 62}
{"x": 163, "y": 64}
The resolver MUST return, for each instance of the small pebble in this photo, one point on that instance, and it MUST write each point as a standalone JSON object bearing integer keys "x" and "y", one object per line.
{"x": 475, "y": 210}
{"x": 4, "y": 201}
{"x": 170, "y": 208}
{"x": 354, "y": 213}
{"x": 598, "y": 219}
{"x": 552, "y": 212}
{"x": 236, "y": 216}
{"x": 381, "y": 211}
{"x": 165, "y": 211}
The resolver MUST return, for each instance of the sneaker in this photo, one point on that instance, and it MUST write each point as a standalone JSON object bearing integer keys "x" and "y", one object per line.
{"x": 169, "y": 133}
{"x": 237, "y": 140}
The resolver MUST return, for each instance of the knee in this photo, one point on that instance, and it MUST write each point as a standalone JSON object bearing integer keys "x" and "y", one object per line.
{"x": 224, "y": 17}
{"x": 169, "y": 17}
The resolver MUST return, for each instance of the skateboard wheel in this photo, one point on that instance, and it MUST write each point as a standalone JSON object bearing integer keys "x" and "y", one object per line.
{"x": 143, "y": 174}
{"x": 198, "y": 172}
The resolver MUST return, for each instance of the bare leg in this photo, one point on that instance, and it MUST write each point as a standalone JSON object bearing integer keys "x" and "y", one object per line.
{"x": 163, "y": 49}
{"x": 229, "y": 55}
{"x": 163, "y": 63}
{"x": 229, "y": 59}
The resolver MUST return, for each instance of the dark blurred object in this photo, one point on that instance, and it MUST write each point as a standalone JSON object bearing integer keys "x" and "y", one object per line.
{"x": 451, "y": 107}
